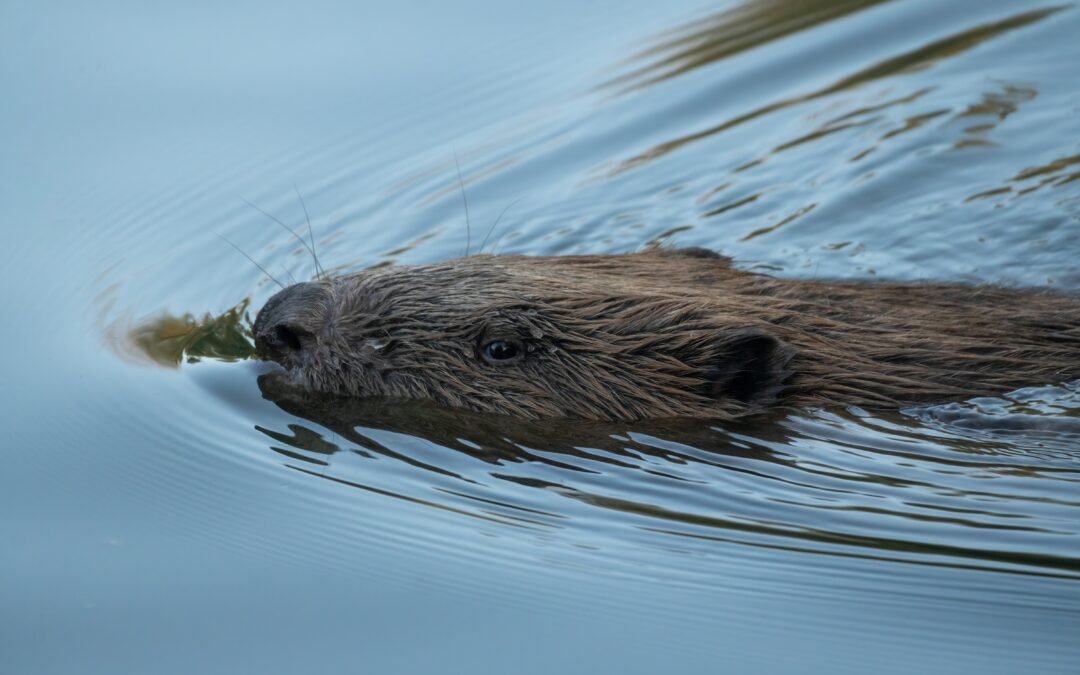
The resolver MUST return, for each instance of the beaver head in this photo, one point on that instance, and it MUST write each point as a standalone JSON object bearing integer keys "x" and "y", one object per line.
{"x": 596, "y": 337}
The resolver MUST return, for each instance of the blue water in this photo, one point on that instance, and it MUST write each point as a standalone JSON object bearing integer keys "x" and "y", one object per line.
{"x": 160, "y": 515}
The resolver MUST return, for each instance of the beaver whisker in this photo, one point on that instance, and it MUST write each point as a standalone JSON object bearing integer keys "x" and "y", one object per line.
{"x": 464, "y": 198}
{"x": 292, "y": 279}
{"x": 263, "y": 269}
{"x": 319, "y": 271}
{"x": 496, "y": 223}
{"x": 287, "y": 229}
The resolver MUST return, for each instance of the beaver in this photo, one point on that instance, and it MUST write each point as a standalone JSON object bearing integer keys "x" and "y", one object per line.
{"x": 656, "y": 334}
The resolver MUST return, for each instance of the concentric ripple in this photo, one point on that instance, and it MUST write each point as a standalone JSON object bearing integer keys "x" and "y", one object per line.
{"x": 166, "y": 500}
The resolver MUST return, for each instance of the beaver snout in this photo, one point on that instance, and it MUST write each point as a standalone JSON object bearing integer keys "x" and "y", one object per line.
{"x": 287, "y": 328}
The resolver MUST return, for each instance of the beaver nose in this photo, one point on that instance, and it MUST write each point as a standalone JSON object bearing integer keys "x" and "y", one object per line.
{"x": 282, "y": 339}
{"x": 289, "y": 322}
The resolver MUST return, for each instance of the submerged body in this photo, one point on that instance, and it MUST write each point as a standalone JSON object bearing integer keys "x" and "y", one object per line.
{"x": 665, "y": 333}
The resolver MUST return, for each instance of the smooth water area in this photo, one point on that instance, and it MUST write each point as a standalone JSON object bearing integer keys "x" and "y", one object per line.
{"x": 160, "y": 514}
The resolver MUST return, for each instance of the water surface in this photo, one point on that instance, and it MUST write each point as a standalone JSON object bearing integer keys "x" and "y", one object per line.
{"x": 163, "y": 513}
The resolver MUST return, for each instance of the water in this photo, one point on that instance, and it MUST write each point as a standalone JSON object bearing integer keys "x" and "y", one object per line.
{"x": 161, "y": 515}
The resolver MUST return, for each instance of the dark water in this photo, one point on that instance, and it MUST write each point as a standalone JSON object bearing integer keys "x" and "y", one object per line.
{"x": 161, "y": 516}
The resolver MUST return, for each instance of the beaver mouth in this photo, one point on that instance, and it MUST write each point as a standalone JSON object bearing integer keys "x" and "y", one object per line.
{"x": 287, "y": 374}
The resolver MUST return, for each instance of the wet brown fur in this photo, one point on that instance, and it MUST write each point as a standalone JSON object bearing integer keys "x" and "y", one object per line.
{"x": 661, "y": 334}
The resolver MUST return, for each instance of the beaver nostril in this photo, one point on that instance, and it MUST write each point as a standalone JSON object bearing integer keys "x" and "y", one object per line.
{"x": 283, "y": 341}
{"x": 286, "y": 338}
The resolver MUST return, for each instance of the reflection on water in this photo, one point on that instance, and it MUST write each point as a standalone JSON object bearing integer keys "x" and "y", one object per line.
{"x": 688, "y": 50}
{"x": 750, "y": 25}
{"x": 847, "y": 485}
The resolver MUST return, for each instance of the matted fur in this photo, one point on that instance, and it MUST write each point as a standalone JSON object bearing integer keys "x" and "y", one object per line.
{"x": 660, "y": 334}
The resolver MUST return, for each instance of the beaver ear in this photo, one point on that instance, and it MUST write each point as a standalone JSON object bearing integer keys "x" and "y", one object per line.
{"x": 751, "y": 367}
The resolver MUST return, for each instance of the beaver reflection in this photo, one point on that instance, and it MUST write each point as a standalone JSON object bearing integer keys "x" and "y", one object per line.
{"x": 660, "y": 334}
{"x": 675, "y": 474}
{"x": 495, "y": 439}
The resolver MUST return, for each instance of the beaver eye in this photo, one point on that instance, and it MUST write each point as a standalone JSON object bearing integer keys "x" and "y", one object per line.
{"x": 501, "y": 351}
